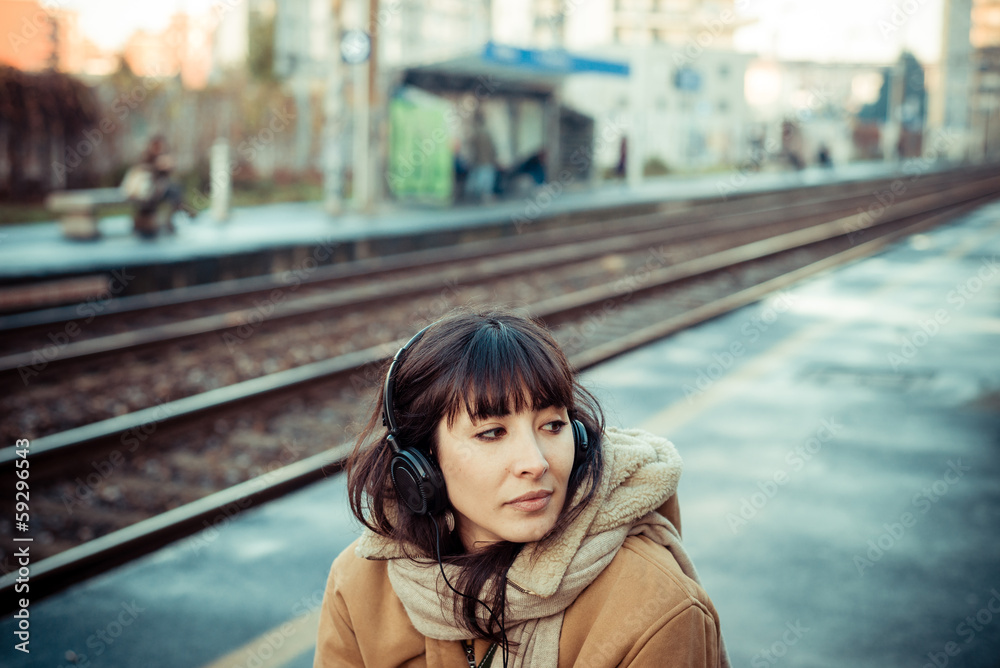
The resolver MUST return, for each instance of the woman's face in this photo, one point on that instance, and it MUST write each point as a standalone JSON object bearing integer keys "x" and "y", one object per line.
{"x": 506, "y": 476}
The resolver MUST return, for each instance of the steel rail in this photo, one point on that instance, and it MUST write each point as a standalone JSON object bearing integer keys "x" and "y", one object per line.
{"x": 260, "y": 285}
{"x": 540, "y": 236}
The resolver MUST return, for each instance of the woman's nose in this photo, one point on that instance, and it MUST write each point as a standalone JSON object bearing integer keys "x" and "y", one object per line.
{"x": 530, "y": 460}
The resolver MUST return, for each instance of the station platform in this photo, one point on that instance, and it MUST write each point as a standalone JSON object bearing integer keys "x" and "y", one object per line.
{"x": 839, "y": 496}
{"x": 268, "y": 238}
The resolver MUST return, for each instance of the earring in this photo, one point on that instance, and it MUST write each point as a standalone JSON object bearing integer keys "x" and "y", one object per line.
{"x": 449, "y": 520}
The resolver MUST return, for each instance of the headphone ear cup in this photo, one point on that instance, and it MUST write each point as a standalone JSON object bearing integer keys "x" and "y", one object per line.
{"x": 581, "y": 442}
{"x": 418, "y": 482}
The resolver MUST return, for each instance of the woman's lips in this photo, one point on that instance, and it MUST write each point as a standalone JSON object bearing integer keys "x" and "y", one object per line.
{"x": 531, "y": 502}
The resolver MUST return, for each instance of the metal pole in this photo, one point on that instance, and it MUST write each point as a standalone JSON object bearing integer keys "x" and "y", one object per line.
{"x": 360, "y": 185}
{"x": 333, "y": 109}
{"x": 986, "y": 134}
{"x": 892, "y": 132}
{"x": 221, "y": 179}
{"x": 373, "y": 117}
{"x": 489, "y": 19}
{"x": 637, "y": 122}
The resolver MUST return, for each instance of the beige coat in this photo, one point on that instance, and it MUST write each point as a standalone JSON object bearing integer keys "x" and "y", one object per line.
{"x": 641, "y": 611}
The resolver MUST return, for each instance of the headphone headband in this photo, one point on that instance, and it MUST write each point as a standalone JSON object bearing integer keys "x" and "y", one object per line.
{"x": 388, "y": 415}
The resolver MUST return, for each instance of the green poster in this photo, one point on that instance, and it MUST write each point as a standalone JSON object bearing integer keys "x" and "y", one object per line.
{"x": 421, "y": 166}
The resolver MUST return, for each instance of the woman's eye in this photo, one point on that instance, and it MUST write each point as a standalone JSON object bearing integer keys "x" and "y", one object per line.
{"x": 555, "y": 426}
{"x": 491, "y": 434}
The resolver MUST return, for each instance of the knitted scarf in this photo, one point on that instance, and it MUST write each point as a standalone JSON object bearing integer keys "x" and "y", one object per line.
{"x": 641, "y": 472}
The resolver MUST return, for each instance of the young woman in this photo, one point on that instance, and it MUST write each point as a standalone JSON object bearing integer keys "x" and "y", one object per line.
{"x": 503, "y": 524}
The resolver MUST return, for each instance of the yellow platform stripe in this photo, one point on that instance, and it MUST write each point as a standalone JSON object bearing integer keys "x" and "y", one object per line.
{"x": 276, "y": 647}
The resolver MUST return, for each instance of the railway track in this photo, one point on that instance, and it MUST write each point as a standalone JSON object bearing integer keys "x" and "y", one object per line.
{"x": 294, "y": 416}
{"x": 136, "y": 356}
{"x": 24, "y": 331}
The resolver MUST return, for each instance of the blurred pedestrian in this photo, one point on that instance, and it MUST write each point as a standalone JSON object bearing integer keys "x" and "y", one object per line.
{"x": 823, "y": 156}
{"x": 791, "y": 144}
{"x": 148, "y": 184}
{"x": 461, "y": 170}
{"x": 483, "y": 170}
{"x": 622, "y": 158}
{"x": 521, "y": 178}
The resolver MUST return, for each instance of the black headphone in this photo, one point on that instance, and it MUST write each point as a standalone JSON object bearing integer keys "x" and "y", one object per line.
{"x": 415, "y": 475}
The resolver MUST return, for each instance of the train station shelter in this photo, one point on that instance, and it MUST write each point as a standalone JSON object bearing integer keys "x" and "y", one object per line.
{"x": 514, "y": 92}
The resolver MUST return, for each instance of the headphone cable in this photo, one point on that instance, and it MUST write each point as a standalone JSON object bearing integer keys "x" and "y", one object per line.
{"x": 505, "y": 647}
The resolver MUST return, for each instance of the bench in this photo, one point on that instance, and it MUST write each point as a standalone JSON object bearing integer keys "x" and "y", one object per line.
{"x": 78, "y": 209}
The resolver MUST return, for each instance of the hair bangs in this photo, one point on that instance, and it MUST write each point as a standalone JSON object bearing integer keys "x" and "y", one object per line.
{"x": 503, "y": 371}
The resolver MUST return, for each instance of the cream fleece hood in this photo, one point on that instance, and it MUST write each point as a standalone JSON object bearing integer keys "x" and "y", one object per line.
{"x": 641, "y": 472}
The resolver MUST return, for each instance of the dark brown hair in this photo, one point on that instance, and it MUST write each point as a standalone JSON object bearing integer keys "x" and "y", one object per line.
{"x": 489, "y": 364}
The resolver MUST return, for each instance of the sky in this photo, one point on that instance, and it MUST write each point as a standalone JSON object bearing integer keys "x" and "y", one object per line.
{"x": 110, "y": 22}
{"x": 845, "y": 30}
{"x": 851, "y": 30}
